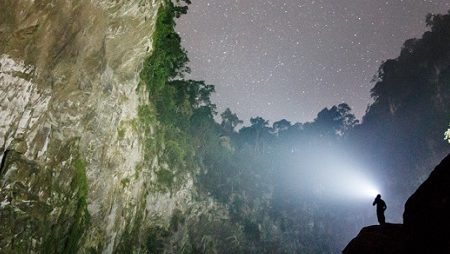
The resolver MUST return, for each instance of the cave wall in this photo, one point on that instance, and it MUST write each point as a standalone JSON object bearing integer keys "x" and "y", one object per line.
{"x": 73, "y": 175}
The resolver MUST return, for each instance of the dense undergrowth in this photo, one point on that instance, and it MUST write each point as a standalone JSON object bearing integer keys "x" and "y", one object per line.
{"x": 177, "y": 104}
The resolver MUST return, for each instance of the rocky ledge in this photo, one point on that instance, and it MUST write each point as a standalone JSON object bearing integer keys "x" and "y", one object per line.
{"x": 426, "y": 227}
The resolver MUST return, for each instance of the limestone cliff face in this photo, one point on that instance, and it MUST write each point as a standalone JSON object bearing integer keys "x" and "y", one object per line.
{"x": 73, "y": 175}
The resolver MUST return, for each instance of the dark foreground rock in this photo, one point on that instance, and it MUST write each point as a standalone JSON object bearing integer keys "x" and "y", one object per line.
{"x": 427, "y": 213}
{"x": 378, "y": 239}
{"x": 426, "y": 227}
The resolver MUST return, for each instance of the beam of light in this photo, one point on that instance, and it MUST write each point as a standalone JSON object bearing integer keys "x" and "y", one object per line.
{"x": 337, "y": 177}
{"x": 355, "y": 184}
{"x": 347, "y": 183}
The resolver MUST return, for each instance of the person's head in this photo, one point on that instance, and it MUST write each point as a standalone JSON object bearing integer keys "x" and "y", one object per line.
{"x": 378, "y": 196}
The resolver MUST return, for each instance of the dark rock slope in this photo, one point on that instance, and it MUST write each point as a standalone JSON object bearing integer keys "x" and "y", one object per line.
{"x": 426, "y": 227}
{"x": 378, "y": 239}
{"x": 427, "y": 213}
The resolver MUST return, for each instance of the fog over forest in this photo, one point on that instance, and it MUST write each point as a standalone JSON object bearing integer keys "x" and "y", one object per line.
{"x": 317, "y": 180}
{"x": 108, "y": 145}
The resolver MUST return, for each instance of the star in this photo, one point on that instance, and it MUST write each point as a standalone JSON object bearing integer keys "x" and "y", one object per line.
{"x": 261, "y": 52}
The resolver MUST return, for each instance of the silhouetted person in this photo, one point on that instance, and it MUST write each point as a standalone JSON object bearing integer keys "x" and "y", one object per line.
{"x": 381, "y": 207}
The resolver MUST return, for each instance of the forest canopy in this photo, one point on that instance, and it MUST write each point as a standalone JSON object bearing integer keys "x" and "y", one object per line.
{"x": 268, "y": 175}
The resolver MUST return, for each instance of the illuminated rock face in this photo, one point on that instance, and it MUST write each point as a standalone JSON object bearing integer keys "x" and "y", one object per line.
{"x": 426, "y": 227}
{"x": 73, "y": 175}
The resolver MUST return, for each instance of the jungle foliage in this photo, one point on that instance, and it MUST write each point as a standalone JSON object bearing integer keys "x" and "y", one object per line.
{"x": 248, "y": 170}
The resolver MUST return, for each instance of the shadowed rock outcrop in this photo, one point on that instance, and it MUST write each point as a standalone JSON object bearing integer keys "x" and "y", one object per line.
{"x": 427, "y": 213}
{"x": 426, "y": 227}
{"x": 378, "y": 239}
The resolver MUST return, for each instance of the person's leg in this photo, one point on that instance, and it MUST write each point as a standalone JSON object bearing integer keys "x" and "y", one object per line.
{"x": 379, "y": 217}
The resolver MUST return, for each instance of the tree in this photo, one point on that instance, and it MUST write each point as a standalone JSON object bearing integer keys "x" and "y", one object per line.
{"x": 229, "y": 121}
{"x": 280, "y": 126}
{"x": 197, "y": 93}
{"x": 336, "y": 120}
{"x": 346, "y": 117}
{"x": 181, "y": 9}
{"x": 257, "y": 134}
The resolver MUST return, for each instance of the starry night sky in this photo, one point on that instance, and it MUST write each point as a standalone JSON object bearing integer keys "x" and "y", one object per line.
{"x": 291, "y": 58}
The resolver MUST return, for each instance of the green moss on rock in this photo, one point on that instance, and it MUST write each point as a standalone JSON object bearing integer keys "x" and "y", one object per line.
{"x": 65, "y": 235}
{"x": 81, "y": 216}
{"x": 156, "y": 238}
{"x": 165, "y": 178}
